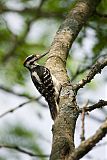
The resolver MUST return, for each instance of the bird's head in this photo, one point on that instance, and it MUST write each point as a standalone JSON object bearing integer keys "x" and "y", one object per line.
{"x": 31, "y": 61}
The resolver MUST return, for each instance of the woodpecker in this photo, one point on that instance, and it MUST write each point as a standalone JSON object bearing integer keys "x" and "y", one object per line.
{"x": 45, "y": 82}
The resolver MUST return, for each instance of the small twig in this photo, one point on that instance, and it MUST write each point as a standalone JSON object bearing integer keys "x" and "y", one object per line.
{"x": 15, "y": 93}
{"x": 95, "y": 69}
{"x": 23, "y": 151}
{"x": 31, "y": 98}
{"x": 33, "y": 11}
{"x": 87, "y": 145}
{"x": 100, "y": 104}
{"x": 17, "y": 107}
{"x": 82, "y": 136}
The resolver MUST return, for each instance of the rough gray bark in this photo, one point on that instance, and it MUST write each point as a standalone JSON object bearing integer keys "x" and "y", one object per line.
{"x": 64, "y": 126}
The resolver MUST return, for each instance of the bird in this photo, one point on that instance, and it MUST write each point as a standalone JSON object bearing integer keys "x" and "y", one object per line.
{"x": 45, "y": 82}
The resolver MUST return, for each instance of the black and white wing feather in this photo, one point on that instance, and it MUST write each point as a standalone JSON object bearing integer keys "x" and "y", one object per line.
{"x": 43, "y": 81}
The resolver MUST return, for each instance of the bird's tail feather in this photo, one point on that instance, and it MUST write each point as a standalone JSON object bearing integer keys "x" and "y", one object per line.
{"x": 54, "y": 109}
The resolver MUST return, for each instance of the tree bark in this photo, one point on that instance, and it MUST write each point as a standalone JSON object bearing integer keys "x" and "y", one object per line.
{"x": 64, "y": 125}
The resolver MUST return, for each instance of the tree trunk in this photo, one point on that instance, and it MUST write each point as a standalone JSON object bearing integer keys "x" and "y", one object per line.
{"x": 64, "y": 125}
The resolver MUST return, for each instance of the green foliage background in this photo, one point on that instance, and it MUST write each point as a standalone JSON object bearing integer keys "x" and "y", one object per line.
{"x": 15, "y": 46}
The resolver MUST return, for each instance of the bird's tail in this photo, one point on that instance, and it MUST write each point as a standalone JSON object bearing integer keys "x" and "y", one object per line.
{"x": 53, "y": 106}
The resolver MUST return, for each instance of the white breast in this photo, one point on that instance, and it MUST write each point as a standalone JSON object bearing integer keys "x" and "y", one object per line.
{"x": 37, "y": 77}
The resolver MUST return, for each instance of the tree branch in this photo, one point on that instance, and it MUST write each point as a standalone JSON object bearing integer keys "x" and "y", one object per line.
{"x": 95, "y": 69}
{"x": 8, "y": 90}
{"x": 100, "y": 104}
{"x": 82, "y": 136}
{"x": 23, "y": 151}
{"x": 34, "y": 11}
{"x": 17, "y": 107}
{"x": 87, "y": 145}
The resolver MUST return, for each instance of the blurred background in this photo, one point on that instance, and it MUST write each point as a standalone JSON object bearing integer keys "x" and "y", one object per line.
{"x": 27, "y": 27}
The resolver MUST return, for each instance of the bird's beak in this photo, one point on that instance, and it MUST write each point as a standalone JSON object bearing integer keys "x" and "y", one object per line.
{"x": 40, "y": 56}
